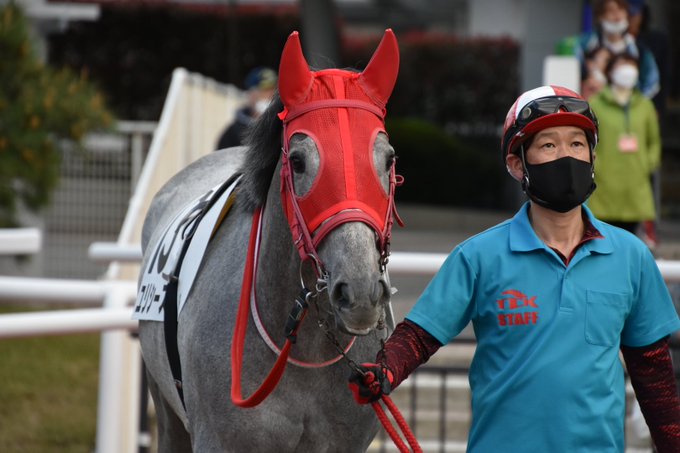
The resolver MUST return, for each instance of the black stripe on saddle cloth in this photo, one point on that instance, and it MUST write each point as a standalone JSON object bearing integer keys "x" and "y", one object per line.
{"x": 170, "y": 302}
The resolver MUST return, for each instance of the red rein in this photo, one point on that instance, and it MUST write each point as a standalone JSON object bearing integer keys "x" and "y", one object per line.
{"x": 238, "y": 339}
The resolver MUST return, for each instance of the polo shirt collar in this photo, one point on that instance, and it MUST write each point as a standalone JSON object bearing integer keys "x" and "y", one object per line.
{"x": 523, "y": 238}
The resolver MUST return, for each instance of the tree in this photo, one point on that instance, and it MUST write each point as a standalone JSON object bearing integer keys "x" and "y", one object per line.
{"x": 39, "y": 107}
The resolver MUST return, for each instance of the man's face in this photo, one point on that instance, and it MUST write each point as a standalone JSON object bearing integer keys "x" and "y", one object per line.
{"x": 613, "y": 12}
{"x": 556, "y": 142}
{"x": 260, "y": 99}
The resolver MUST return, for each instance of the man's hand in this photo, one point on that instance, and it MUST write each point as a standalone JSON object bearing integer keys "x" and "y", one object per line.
{"x": 371, "y": 383}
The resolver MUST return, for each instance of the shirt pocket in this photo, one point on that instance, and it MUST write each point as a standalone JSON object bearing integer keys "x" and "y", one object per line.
{"x": 605, "y": 317}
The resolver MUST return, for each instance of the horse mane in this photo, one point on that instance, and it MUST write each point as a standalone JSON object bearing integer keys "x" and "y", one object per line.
{"x": 263, "y": 140}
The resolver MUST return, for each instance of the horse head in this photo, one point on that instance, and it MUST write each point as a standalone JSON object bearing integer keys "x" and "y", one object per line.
{"x": 338, "y": 177}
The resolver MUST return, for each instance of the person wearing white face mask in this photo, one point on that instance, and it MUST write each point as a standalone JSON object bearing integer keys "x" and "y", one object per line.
{"x": 260, "y": 85}
{"x": 629, "y": 150}
{"x": 612, "y": 19}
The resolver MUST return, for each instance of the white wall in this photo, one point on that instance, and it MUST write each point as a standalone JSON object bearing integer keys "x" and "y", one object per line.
{"x": 537, "y": 24}
{"x": 497, "y": 18}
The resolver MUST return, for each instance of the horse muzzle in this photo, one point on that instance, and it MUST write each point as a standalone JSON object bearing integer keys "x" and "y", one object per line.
{"x": 357, "y": 312}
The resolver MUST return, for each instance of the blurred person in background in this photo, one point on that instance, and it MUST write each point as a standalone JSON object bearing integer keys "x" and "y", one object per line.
{"x": 260, "y": 84}
{"x": 658, "y": 44}
{"x": 629, "y": 150}
{"x": 612, "y": 32}
{"x": 596, "y": 68}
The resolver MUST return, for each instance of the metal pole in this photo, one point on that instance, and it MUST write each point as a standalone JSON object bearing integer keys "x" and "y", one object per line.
{"x": 136, "y": 158}
{"x": 412, "y": 263}
{"x": 19, "y": 241}
{"x": 110, "y": 406}
{"x": 144, "y": 439}
{"x": 61, "y": 322}
{"x": 55, "y": 290}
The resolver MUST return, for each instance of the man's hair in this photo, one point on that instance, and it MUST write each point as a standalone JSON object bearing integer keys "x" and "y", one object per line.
{"x": 599, "y": 6}
{"x": 626, "y": 56}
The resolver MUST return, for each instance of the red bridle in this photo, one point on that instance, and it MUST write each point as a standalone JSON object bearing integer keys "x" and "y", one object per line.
{"x": 343, "y": 112}
{"x": 336, "y": 197}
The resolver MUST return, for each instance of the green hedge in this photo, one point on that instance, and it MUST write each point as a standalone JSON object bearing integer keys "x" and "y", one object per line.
{"x": 443, "y": 170}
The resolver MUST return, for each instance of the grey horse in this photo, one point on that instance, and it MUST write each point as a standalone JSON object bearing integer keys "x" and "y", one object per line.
{"x": 311, "y": 409}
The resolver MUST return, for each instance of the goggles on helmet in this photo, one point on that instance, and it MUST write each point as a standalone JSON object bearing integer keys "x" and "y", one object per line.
{"x": 546, "y": 106}
{"x": 550, "y": 111}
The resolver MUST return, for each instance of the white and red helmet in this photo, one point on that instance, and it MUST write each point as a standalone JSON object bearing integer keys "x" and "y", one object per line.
{"x": 544, "y": 107}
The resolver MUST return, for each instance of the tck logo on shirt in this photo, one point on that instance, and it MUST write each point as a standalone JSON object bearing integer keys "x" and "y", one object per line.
{"x": 515, "y": 309}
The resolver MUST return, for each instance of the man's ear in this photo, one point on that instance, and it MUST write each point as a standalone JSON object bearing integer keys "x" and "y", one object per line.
{"x": 513, "y": 164}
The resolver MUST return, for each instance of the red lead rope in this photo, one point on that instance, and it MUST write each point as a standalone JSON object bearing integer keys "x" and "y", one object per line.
{"x": 406, "y": 431}
{"x": 239, "y": 336}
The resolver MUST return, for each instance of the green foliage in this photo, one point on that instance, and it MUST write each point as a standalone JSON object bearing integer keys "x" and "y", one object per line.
{"x": 38, "y": 107}
{"x": 442, "y": 170}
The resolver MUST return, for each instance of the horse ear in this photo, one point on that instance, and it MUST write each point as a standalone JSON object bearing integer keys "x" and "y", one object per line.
{"x": 295, "y": 78}
{"x": 380, "y": 75}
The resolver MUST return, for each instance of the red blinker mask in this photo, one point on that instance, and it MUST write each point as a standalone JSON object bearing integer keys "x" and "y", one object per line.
{"x": 343, "y": 112}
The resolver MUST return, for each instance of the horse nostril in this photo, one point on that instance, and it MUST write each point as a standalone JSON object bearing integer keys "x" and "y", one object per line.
{"x": 379, "y": 289}
{"x": 343, "y": 295}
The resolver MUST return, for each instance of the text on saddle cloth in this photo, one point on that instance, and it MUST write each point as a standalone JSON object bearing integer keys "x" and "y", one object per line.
{"x": 179, "y": 252}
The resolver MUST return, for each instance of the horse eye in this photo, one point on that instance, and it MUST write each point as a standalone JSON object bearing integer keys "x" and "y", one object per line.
{"x": 390, "y": 161}
{"x": 297, "y": 163}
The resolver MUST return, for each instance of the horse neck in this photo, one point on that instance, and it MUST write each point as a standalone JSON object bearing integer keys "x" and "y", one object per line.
{"x": 278, "y": 283}
{"x": 279, "y": 262}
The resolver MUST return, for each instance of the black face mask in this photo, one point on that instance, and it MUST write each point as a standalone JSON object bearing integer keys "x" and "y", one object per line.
{"x": 561, "y": 184}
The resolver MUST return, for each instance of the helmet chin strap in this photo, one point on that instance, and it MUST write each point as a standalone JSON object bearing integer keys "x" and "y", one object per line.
{"x": 525, "y": 171}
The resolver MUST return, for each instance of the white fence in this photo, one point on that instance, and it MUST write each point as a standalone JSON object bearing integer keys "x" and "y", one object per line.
{"x": 411, "y": 263}
{"x": 20, "y": 241}
{"x": 195, "y": 111}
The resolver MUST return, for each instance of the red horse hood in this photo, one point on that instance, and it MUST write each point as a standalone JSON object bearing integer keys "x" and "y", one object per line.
{"x": 343, "y": 112}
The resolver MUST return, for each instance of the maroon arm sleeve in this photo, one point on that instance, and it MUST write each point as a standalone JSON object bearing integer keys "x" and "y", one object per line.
{"x": 408, "y": 347}
{"x": 651, "y": 374}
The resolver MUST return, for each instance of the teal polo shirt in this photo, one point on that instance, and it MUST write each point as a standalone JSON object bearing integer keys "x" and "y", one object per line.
{"x": 546, "y": 374}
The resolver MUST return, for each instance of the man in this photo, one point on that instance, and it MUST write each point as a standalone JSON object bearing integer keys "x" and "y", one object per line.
{"x": 552, "y": 294}
{"x": 260, "y": 84}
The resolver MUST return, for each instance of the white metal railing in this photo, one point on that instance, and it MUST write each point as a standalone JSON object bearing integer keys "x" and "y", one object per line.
{"x": 412, "y": 263}
{"x": 19, "y": 241}
{"x": 56, "y": 322}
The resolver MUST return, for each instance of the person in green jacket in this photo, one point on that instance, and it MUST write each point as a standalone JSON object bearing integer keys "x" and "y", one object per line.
{"x": 629, "y": 149}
